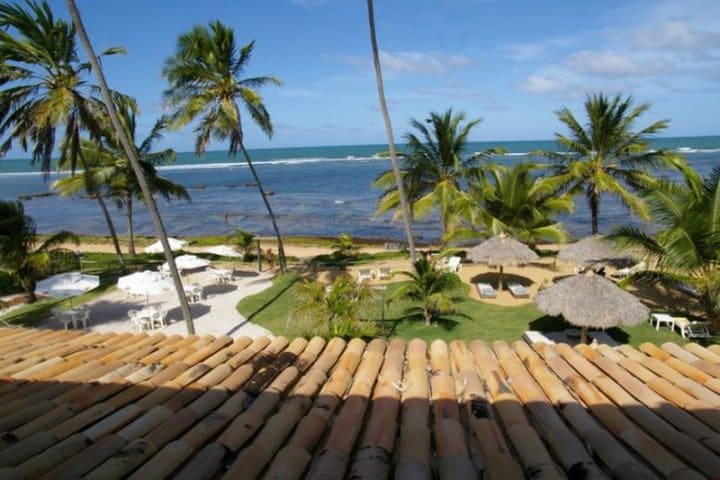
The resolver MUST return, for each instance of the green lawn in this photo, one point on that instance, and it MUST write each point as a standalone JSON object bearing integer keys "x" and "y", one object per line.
{"x": 479, "y": 320}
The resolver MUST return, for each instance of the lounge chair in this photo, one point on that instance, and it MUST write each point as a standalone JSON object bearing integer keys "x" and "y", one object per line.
{"x": 485, "y": 290}
{"x": 453, "y": 264}
{"x": 383, "y": 273}
{"x": 690, "y": 329}
{"x": 518, "y": 291}
{"x": 626, "y": 272}
{"x": 365, "y": 274}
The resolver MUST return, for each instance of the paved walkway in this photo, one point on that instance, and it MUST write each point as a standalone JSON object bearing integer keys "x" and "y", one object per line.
{"x": 213, "y": 315}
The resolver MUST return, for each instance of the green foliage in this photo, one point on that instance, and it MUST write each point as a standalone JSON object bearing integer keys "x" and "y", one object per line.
{"x": 435, "y": 168}
{"x": 18, "y": 253}
{"x": 686, "y": 246}
{"x": 245, "y": 241}
{"x": 428, "y": 287}
{"x": 333, "y": 310}
{"x": 344, "y": 246}
{"x": 607, "y": 156}
{"x": 512, "y": 200}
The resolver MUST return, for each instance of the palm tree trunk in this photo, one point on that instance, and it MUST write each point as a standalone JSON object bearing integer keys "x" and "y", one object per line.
{"x": 428, "y": 317}
{"x": 594, "y": 201}
{"x": 90, "y": 183}
{"x": 131, "y": 236}
{"x": 407, "y": 219}
{"x": 132, "y": 156}
{"x": 281, "y": 249}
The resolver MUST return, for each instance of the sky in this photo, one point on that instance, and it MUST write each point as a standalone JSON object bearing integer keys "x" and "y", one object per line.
{"x": 511, "y": 63}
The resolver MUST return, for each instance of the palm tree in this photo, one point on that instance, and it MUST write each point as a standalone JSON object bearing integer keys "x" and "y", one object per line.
{"x": 333, "y": 310}
{"x": 19, "y": 253}
{"x": 204, "y": 76}
{"x": 134, "y": 162}
{"x": 512, "y": 200}
{"x": 607, "y": 156}
{"x": 685, "y": 248}
{"x": 112, "y": 170}
{"x": 436, "y": 168}
{"x": 397, "y": 174}
{"x": 429, "y": 287}
{"x": 43, "y": 87}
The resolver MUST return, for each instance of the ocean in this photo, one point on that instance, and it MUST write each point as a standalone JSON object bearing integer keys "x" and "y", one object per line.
{"x": 316, "y": 191}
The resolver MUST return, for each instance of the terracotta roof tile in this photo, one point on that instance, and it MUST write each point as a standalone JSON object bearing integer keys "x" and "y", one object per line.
{"x": 144, "y": 406}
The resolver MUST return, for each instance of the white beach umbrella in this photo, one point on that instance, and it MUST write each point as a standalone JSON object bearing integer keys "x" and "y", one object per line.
{"x": 67, "y": 284}
{"x": 188, "y": 262}
{"x": 144, "y": 283}
{"x": 157, "y": 247}
{"x": 223, "y": 251}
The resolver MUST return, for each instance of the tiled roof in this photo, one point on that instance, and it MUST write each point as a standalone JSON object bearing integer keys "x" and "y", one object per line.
{"x": 103, "y": 406}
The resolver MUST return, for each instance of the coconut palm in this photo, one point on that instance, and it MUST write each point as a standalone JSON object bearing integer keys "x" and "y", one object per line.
{"x": 204, "y": 76}
{"x": 429, "y": 287}
{"x": 43, "y": 87}
{"x": 333, "y": 310}
{"x": 19, "y": 253}
{"x": 134, "y": 162}
{"x": 685, "y": 247}
{"x": 401, "y": 197}
{"x": 512, "y": 200}
{"x": 607, "y": 156}
{"x": 436, "y": 168}
{"x": 112, "y": 170}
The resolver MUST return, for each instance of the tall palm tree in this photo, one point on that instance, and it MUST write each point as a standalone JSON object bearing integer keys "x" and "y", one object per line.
{"x": 204, "y": 76}
{"x": 685, "y": 247}
{"x": 44, "y": 87}
{"x": 397, "y": 174}
{"x": 607, "y": 156}
{"x": 134, "y": 162}
{"x": 19, "y": 252}
{"x": 436, "y": 168}
{"x": 512, "y": 200}
{"x": 429, "y": 287}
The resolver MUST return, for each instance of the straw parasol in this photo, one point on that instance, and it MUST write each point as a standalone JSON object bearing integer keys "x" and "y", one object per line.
{"x": 592, "y": 250}
{"x": 591, "y": 301}
{"x": 502, "y": 251}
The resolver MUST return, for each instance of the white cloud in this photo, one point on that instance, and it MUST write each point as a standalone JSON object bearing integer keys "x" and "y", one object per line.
{"x": 677, "y": 35}
{"x": 544, "y": 84}
{"x": 610, "y": 63}
{"x": 432, "y": 63}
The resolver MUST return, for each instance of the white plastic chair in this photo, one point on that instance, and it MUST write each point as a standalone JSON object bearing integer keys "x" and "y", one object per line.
{"x": 453, "y": 264}
{"x": 365, "y": 274}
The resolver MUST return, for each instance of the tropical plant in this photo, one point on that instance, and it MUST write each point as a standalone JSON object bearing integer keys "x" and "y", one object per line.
{"x": 607, "y": 156}
{"x": 19, "y": 253}
{"x": 43, "y": 86}
{"x": 436, "y": 169}
{"x": 245, "y": 241}
{"x": 112, "y": 172}
{"x": 429, "y": 287}
{"x": 345, "y": 246}
{"x": 134, "y": 162}
{"x": 685, "y": 246}
{"x": 402, "y": 199}
{"x": 204, "y": 76}
{"x": 333, "y": 310}
{"x": 512, "y": 200}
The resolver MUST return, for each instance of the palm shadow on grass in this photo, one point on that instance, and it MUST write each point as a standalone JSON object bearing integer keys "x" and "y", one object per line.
{"x": 390, "y": 325}
{"x": 272, "y": 299}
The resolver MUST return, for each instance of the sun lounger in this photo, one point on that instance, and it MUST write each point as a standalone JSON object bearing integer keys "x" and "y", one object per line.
{"x": 626, "y": 272}
{"x": 383, "y": 273}
{"x": 533, "y": 336}
{"x": 518, "y": 291}
{"x": 485, "y": 290}
{"x": 453, "y": 264}
{"x": 690, "y": 329}
{"x": 365, "y": 274}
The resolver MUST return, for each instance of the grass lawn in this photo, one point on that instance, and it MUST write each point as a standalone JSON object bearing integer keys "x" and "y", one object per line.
{"x": 478, "y": 320}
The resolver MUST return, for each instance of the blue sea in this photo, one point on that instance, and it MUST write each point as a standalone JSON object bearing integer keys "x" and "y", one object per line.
{"x": 318, "y": 191}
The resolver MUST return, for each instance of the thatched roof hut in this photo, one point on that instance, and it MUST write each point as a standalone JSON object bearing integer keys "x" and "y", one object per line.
{"x": 591, "y": 301}
{"x": 592, "y": 250}
{"x": 502, "y": 251}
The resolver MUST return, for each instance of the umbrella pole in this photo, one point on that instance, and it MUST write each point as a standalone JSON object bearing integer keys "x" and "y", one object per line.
{"x": 500, "y": 286}
{"x": 583, "y": 335}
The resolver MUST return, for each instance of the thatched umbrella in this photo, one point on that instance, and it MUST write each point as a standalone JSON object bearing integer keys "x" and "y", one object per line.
{"x": 591, "y": 301}
{"x": 502, "y": 251}
{"x": 591, "y": 250}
